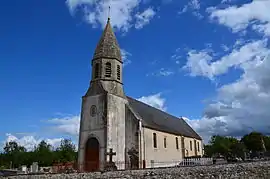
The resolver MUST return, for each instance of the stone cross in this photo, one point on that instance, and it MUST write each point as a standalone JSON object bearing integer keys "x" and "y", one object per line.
{"x": 111, "y": 154}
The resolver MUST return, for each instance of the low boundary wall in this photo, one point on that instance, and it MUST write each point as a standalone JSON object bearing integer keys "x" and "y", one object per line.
{"x": 254, "y": 170}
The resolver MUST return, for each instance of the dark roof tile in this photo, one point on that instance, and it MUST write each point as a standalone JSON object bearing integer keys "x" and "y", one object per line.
{"x": 160, "y": 120}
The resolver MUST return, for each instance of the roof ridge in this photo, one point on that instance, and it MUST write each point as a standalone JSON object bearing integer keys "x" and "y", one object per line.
{"x": 157, "y": 120}
{"x": 153, "y": 107}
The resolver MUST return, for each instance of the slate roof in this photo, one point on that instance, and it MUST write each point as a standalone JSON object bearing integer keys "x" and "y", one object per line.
{"x": 159, "y": 120}
{"x": 108, "y": 46}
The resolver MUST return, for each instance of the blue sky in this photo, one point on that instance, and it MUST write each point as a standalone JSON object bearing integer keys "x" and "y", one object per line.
{"x": 205, "y": 60}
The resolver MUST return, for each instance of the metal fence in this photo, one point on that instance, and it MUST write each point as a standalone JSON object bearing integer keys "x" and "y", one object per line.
{"x": 123, "y": 165}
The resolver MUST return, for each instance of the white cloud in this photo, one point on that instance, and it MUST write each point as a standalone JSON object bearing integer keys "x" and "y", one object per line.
{"x": 185, "y": 9}
{"x": 239, "y": 18}
{"x": 226, "y": 1}
{"x": 165, "y": 72}
{"x": 208, "y": 127}
{"x": 144, "y": 18}
{"x": 194, "y": 6}
{"x": 69, "y": 125}
{"x": 155, "y": 100}
{"x": 243, "y": 105}
{"x": 29, "y": 141}
{"x": 225, "y": 47}
{"x": 122, "y": 12}
{"x": 125, "y": 56}
{"x": 202, "y": 63}
{"x": 162, "y": 72}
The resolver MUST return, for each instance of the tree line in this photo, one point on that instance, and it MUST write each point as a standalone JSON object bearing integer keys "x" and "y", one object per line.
{"x": 15, "y": 155}
{"x": 252, "y": 145}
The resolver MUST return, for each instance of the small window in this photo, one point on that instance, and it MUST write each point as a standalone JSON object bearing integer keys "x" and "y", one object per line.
{"x": 93, "y": 111}
{"x": 198, "y": 146}
{"x": 190, "y": 145}
{"x": 108, "y": 69}
{"x": 96, "y": 70}
{"x": 118, "y": 72}
{"x": 165, "y": 142}
{"x": 176, "y": 142}
{"x": 155, "y": 140}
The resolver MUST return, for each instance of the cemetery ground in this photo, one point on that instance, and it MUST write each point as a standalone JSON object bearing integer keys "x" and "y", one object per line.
{"x": 250, "y": 151}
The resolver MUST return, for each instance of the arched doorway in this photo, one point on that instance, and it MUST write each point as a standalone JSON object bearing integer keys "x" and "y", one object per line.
{"x": 91, "y": 160}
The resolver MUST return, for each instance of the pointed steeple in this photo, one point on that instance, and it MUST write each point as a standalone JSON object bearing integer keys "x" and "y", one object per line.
{"x": 108, "y": 46}
{"x": 107, "y": 66}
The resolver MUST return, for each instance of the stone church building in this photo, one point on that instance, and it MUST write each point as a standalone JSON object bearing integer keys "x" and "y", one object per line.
{"x": 118, "y": 129}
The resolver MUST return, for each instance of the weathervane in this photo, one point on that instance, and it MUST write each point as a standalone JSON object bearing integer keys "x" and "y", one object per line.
{"x": 109, "y": 13}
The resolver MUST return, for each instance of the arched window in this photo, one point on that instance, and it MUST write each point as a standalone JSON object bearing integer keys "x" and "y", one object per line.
{"x": 155, "y": 140}
{"x": 118, "y": 72}
{"x": 97, "y": 70}
{"x": 108, "y": 69}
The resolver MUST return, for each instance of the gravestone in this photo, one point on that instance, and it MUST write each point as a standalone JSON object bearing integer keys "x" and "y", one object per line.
{"x": 34, "y": 167}
{"x": 24, "y": 169}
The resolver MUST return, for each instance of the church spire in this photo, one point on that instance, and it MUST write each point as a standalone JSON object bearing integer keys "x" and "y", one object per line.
{"x": 107, "y": 65}
{"x": 108, "y": 46}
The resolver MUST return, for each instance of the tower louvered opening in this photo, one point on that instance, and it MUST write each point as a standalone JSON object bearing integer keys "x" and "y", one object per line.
{"x": 108, "y": 69}
{"x": 97, "y": 71}
{"x": 118, "y": 72}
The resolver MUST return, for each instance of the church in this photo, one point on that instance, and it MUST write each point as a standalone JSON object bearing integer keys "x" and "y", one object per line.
{"x": 119, "y": 129}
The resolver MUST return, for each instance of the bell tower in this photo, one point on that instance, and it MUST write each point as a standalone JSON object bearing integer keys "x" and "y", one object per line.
{"x": 103, "y": 112}
{"x": 107, "y": 65}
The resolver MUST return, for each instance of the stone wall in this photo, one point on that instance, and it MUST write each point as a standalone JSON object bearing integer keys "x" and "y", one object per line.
{"x": 256, "y": 170}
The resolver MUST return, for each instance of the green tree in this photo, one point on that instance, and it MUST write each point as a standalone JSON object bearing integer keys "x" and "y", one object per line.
{"x": 12, "y": 147}
{"x": 3, "y": 161}
{"x": 44, "y": 154}
{"x": 208, "y": 151}
{"x": 14, "y": 154}
{"x": 219, "y": 145}
{"x": 229, "y": 147}
{"x": 66, "y": 151}
{"x": 253, "y": 141}
{"x": 266, "y": 140}
{"x": 238, "y": 149}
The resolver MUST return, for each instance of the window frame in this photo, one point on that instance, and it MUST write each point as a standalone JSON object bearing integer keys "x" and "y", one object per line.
{"x": 165, "y": 142}
{"x": 154, "y": 140}
{"x": 177, "y": 143}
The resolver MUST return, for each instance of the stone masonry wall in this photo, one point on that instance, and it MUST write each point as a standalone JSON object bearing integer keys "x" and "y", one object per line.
{"x": 256, "y": 170}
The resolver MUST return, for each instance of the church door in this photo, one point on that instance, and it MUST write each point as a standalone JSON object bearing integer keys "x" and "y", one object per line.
{"x": 91, "y": 155}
